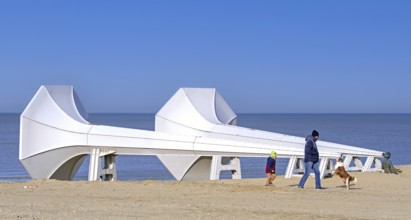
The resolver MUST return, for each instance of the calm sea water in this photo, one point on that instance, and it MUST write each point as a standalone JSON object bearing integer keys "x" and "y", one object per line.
{"x": 384, "y": 132}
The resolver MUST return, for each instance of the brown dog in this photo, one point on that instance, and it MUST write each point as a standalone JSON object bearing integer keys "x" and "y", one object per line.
{"x": 340, "y": 171}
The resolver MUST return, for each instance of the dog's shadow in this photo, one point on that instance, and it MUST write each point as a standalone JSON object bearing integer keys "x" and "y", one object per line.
{"x": 351, "y": 187}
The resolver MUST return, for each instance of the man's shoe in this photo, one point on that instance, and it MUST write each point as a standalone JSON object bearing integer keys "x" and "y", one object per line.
{"x": 301, "y": 187}
{"x": 319, "y": 188}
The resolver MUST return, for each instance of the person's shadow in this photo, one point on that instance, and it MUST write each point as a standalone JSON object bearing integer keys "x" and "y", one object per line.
{"x": 296, "y": 185}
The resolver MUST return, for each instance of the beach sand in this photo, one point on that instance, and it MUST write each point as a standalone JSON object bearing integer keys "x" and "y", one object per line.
{"x": 375, "y": 196}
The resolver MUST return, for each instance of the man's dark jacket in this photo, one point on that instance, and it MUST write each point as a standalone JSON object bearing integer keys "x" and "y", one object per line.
{"x": 311, "y": 151}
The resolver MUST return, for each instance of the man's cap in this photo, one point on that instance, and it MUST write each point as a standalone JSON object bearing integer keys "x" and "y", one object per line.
{"x": 273, "y": 154}
{"x": 315, "y": 133}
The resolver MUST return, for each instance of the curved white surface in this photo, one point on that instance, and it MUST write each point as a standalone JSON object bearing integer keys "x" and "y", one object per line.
{"x": 193, "y": 126}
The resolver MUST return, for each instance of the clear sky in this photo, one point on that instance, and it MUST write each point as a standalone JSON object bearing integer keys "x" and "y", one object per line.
{"x": 262, "y": 56}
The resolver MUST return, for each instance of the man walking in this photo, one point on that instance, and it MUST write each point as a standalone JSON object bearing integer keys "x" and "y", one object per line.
{"x": 311, "y": 160}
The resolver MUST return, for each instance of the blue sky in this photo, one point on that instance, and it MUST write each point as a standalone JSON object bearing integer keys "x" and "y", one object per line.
{"x": 262, "y": 56}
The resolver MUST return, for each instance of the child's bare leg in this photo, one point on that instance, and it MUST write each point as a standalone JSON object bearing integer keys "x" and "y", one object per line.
{"x": 273, "y": 176}
{"x": 268, "y": 179}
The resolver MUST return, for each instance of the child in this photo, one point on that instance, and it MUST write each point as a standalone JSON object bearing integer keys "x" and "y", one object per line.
{"x": 270, "y": 168}
{"x": 387, "y": 165}
{"x": 340, "y": 171}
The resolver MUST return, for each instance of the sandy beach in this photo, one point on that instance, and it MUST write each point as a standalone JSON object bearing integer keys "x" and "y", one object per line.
{"x": 375, "y": 196}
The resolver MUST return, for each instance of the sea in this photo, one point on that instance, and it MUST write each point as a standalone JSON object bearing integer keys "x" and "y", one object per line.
{"x": 383, "y": 132}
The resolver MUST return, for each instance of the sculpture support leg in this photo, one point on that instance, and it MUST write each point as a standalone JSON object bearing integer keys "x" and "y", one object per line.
{"x": 295, "y": 167}
{"x": 220, "y": 163}
{"x": 96, "y": 172}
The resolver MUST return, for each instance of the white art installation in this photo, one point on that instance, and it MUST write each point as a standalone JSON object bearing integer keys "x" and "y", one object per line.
{"x": 195, "y": 137}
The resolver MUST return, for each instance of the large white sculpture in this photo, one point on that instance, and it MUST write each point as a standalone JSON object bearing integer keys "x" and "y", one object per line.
{"x": 203, "y": 112}
{"x": 195, "y": 132}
